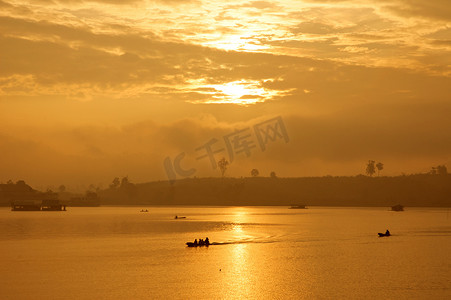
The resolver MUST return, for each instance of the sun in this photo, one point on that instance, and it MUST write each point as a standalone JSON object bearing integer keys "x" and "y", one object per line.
{"x": 241, "y": 92}
{"x": 237, "y": 89}
{"x": 237, "y": 43}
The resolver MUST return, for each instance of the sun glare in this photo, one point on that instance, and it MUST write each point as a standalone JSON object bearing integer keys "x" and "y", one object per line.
{"x": 236, "y": 43}
{"x": 241, "y": 92}
{"x": 238, "y": 89}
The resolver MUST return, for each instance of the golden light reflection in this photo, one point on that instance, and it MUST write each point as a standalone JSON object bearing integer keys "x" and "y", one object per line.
{"x": 239, "y": 253}
{"x": 239, "y": 279}
{"x": 240, "y": 216}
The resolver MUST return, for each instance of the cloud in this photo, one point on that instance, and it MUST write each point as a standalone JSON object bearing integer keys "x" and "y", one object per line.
{"x": 139, "y": 64}
{"x": 437, "y": 10}
{"x": 261, "y": 5}
{"x": 67, "y": 60}
{"x": 442, "y": 42}
{"x": 316, "y": 28}
{"x": 4, "y": 4}
{"x": 115, "y": 2}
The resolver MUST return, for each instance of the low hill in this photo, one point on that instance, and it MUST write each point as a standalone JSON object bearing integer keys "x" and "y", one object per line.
{"x": 20, "y": 191}
{"x": 411, "y": 190}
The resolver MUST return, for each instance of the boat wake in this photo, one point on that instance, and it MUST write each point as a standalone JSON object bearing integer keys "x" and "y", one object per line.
{"x": 266, "y": 240}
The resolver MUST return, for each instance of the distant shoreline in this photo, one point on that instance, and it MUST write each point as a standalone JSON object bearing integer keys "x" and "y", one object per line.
{"x": 262, "y": 206}
{"x": 419, "y": 190}
{"x": 422, "y": 190}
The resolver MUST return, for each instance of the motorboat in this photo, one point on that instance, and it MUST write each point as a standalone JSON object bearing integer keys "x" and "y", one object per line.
{"x": 298, "y": 207}
{"x": 200, "y": 243}
{"x": 192, "y": 244}
{"x": 398, "y": 207}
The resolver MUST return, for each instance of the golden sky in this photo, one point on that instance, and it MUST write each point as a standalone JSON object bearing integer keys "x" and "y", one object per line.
{"x": 91, "y": 90}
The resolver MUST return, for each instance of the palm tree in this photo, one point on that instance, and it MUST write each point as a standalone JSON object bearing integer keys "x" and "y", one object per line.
{"x": 223, "y": 163}
{"x": 379, "y": 167}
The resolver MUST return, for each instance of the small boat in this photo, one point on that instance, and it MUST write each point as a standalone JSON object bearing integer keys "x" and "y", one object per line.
{"x": 298, "y": 207}
{"x": 142, "y": 210}
{"x": 201, "y": 243}
{"x": 177, "y": 217}
{"x": 36, "y": 205}
{"x": 191, "y": 244}
{"x": 387, "y": 233}
{"x": 398, "y": 207}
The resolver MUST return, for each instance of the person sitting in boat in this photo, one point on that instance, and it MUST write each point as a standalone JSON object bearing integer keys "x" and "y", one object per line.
{"x": 195, "y": 242}
{"x": 387, "y": 232}
{"x": 201, "y": 241}
{"x": 207, "y": 241}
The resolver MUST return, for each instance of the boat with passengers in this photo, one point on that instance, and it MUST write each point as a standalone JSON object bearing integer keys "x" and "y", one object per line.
{"x": 200, "y": 243}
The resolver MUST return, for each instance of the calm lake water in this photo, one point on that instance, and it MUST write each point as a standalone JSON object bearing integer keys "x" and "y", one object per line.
{"x": 262, "y": 253}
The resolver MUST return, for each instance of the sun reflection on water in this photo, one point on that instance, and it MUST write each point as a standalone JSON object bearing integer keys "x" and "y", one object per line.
{"x": 239, "y": 277}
